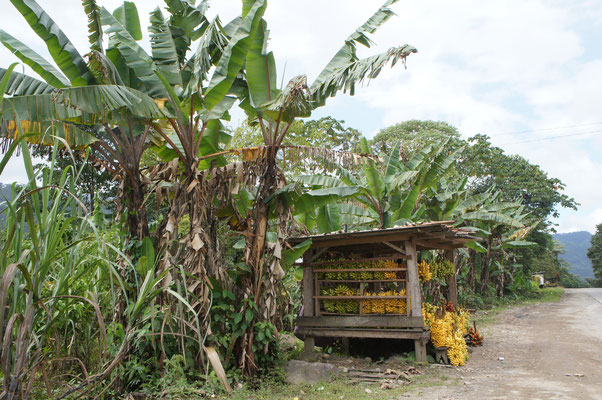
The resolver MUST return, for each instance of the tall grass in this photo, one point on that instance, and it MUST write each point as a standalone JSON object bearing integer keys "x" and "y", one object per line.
{"x": 62, "y": 280}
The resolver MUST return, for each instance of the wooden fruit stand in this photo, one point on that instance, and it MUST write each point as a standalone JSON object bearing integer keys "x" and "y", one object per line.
{"x": 397, "y": 248}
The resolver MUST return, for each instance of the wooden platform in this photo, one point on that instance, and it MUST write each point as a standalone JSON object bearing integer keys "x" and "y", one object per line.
{"x": 367, "y": 326}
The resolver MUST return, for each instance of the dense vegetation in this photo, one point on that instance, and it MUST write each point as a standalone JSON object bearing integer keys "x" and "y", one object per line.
{"x": 594, "y": 253}
{"x": 150, "y": 252}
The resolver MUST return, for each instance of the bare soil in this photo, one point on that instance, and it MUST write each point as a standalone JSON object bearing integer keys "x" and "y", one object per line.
{"x": 537, "y": 351}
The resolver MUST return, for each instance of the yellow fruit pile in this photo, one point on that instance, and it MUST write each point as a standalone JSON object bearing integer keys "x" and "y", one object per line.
{"x": 448, "y": 330}
{"x": 385, "y": 306}
{"x": 341, "y": 306}
{"x": 457, "y": 353}
{"x": 424, "y": 271}
{"x": 363, "y": 275}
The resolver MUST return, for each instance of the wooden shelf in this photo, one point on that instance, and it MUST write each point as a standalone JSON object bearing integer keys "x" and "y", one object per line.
{"x": 357, "y": 260}
{"x": 362, "y": 315}
{"x": 316, "y": 271}
{"x": 360, "y": 280}
{"x": 359, "y": 297}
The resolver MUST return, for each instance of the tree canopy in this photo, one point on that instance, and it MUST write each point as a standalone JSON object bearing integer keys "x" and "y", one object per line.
{"x": 594, "y": 253}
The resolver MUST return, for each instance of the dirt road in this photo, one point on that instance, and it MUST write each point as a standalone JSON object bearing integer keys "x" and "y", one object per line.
{"x": 549, "y": 350}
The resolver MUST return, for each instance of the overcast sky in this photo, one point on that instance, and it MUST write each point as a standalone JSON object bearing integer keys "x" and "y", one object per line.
{"x": 526, "y": 73}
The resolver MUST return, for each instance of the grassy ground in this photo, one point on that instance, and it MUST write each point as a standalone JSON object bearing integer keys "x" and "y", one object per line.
{"x": 546, "y": 295}
{"x": 337, "y": 390}
{"x": 343, "y": 390}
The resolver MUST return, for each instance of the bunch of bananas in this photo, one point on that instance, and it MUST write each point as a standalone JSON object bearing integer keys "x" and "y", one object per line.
{"x": 340, "y": 306}
{"x": 385, "y": 306}
{"x": 424, "y": 271}
{"x": 360, "y": 275}
{"x": 441, "y": 330}
{"x": 448, "y": 330}
{"x": 474, "y": 337}
{"x": 442, "y": 269}
{"x": 461, "y": 320}
{"x": 457, "y": 353}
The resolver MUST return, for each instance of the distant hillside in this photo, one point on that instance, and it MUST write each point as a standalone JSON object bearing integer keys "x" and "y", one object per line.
{"x": 576, "y": 245}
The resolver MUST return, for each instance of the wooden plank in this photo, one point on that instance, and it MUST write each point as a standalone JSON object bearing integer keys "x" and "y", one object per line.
{"x": 360, "y": 270}
{"x": 362, "y": 301}
{"x": 359, "y": 280}
{"x": 317, "y": 291}
{"x": 359, "y": 260}
{"x": 396, "y": 248}
{"x": 420, "y": 350}
{"x": 452, "y": 286}
{"x": 336, "y": 242}
{"x": 360, "y": 298}
{"x": 366, "y": 333}
{"x": 308, "y": 286}
{"x": 413, "y": 282}
{"x": 362, "y": 321}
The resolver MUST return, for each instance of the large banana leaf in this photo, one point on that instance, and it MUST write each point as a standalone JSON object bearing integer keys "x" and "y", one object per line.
{"x": 211, "y": 45}
{"x": 134, "y": 55}
{"x": 261, "y": 69}
{"x": 346, "y": 76}
{"x": 320, "y": 181}
{"x": 184, "y": 22}
{"x": 441, "y": 166}
{"x": 86, "y": 104}
{"x": 312, "y": 199}
{"x": 346, "y": 53}
{"x": 344, "y": 70}
{"x": 64, "y": 54}
{"x": 375, "y": 182}
{"x": 496, "y": 217}
{"x": 329, "y": 218}
{"x": 234, "y": 54}
{"x": 22, "y": 85}
{"x": 46, "y": 70}
{"x": 94, "y": 24}
{"x": 127, "y": 15}
{"x": 164, "y": 50}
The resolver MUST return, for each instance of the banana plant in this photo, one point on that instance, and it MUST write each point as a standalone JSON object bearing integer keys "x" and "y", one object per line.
{"x": 387, "y": 195}
{"x": 274, "y": 109}
{"x": 123, "y": 99}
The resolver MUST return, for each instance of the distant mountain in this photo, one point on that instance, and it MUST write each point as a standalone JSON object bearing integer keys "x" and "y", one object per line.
{"x": 576, "y": 245}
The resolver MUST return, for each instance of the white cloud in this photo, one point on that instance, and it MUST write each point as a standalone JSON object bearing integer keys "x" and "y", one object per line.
{"x": 486, "y": 67}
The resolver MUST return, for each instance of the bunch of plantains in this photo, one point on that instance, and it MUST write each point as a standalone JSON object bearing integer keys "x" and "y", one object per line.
{"x": 385, "y": 306}
{"x": 360, "y": 275}
{"x": 341, "y": 306}
{"x": 448, "y": 330}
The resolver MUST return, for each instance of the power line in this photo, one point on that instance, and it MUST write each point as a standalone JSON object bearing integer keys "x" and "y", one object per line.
{"x": 544, "y": 129}
{"x": 552, "y": 137}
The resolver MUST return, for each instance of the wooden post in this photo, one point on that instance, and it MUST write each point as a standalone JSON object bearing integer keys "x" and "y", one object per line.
{"x": 308, "y": 299}
{"x": 452, "y": 286}
{"x": 413, "y": 282}
{"x": 345, "y": 345}
{"x": 415, "y": 296}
